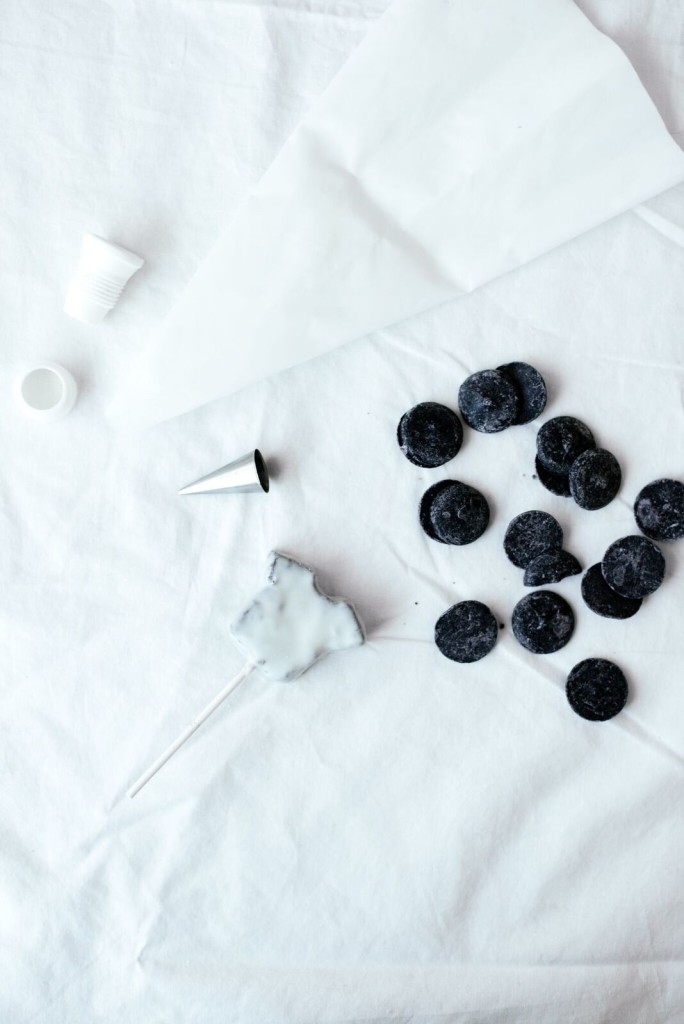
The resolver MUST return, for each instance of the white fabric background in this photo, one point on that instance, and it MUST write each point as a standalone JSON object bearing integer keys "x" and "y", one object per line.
{"x": 392, "y": 838}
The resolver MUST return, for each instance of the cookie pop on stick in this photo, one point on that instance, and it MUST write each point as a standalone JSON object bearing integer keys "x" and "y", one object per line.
{"x": 289, "y": 625}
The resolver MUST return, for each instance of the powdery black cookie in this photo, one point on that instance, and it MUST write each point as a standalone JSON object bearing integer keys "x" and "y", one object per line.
{"x": 466, "y": 632}
{"x": 561, "y": 440}
{"x": 531, "y": 388}
{"x": 557, "y": 483}
{"x": 659, "y": 510}
{"x": 551, "y": 567}
{"x": 453, "y": 512}
{"x": 543, "y": 622}
{"x": 603, "y": 600}
{"x": 595, "y": 477}
{"x": 633, "y": 566}
{"x": 531, "y": 534}
{"x": 488, "y": 401}
{"x": 429, "y": 434}
{"x": 596, "y": 689}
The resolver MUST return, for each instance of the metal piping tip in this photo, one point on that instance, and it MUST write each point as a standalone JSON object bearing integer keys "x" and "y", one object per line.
{"x": 246, "y": 474}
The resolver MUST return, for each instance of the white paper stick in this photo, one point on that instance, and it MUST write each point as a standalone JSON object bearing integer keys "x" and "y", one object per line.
{"x": 194, "y": 725}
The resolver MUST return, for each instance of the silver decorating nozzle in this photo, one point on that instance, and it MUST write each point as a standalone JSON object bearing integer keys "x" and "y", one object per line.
{"x": 246, "y": 474}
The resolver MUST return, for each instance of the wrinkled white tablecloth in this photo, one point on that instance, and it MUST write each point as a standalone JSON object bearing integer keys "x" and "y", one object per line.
{"x": 394, "y": 837}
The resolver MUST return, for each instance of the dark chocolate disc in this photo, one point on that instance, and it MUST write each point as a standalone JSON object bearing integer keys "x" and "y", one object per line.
{"x": 603, "y": 600}
{"x": 488, "y": 401}
{"x": 543, "y": 622}
{"x": 551, "y": 567}
{"x": 429, "y": 434}
{"x": 466, "y": 632}
{"x": 531, "y": 534}
{"x": 633, "y": 566}
{"x": 557, "y": 483}
{"x": 595, "y": 477}
{"x": 659, "y": 510}
{"x": 561, "y": 440}
{"x": 453, "y": 512}
{"x": 531, "y": 389}
{"x": 596, "y": 689}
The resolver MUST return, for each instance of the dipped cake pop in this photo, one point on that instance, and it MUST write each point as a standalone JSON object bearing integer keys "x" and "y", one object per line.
{"x": 289, "y": 626}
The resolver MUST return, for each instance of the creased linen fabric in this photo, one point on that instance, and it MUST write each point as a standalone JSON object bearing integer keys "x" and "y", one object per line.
{"x": 393, "y": 837}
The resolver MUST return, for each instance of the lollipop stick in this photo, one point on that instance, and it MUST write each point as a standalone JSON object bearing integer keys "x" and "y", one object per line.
{"x": 194, "y": 725}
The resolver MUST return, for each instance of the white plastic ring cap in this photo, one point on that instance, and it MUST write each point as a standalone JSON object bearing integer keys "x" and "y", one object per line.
{"x": 103, "y": 270}
{"x": 46, "y": 392}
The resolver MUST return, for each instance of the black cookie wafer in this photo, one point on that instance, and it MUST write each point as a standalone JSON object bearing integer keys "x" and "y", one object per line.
{"x": 557, "y": 483}
{"x": 596, "y": 689}
{"x": 531, "y": 534}
{"x": 488, "y": 401}
{"x": 466, "y": 632}
{"x": 531, "y": 388}
{"x": 551, "y": 567}
{"x": 430, "y": 434}
{"x": 659, "y": 510}
{"x": 453, "y": 512}
{"x": 603, "y": 600}
{"x": 543, "y": 622}
{"x": 595, "y": 477}
{"x": 561, "y": 440}
{"x": 633, "y": 566}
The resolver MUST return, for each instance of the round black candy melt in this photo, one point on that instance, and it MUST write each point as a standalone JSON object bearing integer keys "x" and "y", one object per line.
{"x": 466, "y": 632}
{"x": 596, "y": 689}
{"x": 453, "y": 512}
{"x": 659, "y": 510}
{"x": 561, "y": 440}
{"x": 429, "y": 434}
{"x": 557, "y": 483}
{"x": 595, "y": 477}
{"x": 543, "y": 622}
{"x": 488, "y": 401}
{"x": 531, "y": 389}
{"x": 603, "y": 600}
{"x": 551, "y": 567}
{"x": 531, "y": 534}
{"x": 633, "y": 566}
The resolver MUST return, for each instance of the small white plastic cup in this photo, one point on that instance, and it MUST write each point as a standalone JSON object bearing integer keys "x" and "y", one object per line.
{"x": 103, "y": 270}
{"x": 46, "y": 392}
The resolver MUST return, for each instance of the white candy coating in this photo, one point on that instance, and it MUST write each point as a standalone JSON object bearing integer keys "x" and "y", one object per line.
{"x": 291, "y": 623}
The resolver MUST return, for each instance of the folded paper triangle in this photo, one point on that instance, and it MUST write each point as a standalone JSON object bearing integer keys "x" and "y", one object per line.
{"x": 460, "y": 140}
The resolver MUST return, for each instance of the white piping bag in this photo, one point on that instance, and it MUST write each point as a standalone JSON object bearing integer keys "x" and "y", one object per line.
{"x": 462, "y": 139}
